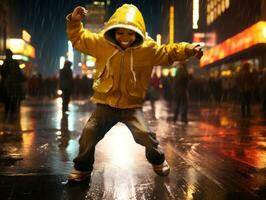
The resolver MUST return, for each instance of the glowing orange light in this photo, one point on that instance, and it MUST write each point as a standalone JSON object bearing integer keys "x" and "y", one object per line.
{"x": 250, "y": 37}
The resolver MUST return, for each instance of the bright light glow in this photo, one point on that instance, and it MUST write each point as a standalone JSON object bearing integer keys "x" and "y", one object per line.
{"x": 80, "y": 64}
{"x": 119, "y": 152}
{"x": 15, "y": 45}
{"x": 1, "y": 62}
{"x": 70, "y": 53}
{"x": 62, "y": 61}
{"x": 26, "y": 36}
{"x": 22, "y": 65}
{"x": 165, "y": 72}
{"x": 90, "y": 76}
{"x": 227, "y": 3}
{"x": 264, "y": 32}
{"x": 226, "y": 73}
{"x": 195, "y": 14}
{"x": 90, "y": 62}
{"x": 19, "y": 46}
{"x": 159, "y": 39}
{"x": 59, "y": 92}
{"x": 171, "y": 24}
{"x": 20, "y": 57}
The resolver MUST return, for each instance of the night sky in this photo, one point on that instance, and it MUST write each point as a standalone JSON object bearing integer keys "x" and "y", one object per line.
{"x": 45, "y": 21}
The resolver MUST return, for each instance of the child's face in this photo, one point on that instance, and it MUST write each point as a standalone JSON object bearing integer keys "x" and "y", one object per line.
{"x": 125, "y": 37}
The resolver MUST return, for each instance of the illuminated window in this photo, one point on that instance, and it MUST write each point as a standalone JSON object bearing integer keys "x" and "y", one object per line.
{"x": 227, "y": 3}
{"x": 215, "y": 8}
{"x": 211, "y": 17}
{"x": 214, "y": 13}
{"x": 219, "y": 10}
{"x": 223, "y": 5}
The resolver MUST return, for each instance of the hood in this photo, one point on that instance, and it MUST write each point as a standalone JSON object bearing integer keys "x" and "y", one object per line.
{"x": 127, "y": 16}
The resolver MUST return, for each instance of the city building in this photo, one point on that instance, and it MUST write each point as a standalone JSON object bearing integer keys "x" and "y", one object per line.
{"x": 240, "y": 31}
{"x": 18, "y": 41}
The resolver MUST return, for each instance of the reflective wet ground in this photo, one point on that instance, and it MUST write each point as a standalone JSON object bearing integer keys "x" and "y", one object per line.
{"x": 216, "y": 156}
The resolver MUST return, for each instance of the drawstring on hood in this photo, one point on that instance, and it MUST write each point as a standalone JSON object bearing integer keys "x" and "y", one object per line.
{"x": 131, "y": 66}
{"x": 108, "y": 62}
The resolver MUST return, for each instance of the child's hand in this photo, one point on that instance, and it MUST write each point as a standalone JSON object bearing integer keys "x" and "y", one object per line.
{"x": 198, "y": 51}
{"x": 78, "y": 13}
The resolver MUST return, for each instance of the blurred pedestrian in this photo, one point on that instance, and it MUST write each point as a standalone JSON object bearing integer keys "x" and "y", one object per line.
{"x": 246, "y": 86}
{"x": 181, "y": 93}
{"x": 125, "y": 58}
{"x": 153, "y": 93}
{"x": 66, "y": 83}
{"x": 262, "y": 88}
{"x": 12, "y": 80}
{"x": 167, "y": 86}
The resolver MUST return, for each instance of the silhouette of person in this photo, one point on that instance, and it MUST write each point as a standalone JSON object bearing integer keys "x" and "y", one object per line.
{"x": 66, "y": 82}
{"x": 181, "y": 93}
{"x": 246, "y": 84}
{"x": 153, "y": 92}
{"x": 262, "y": 85}
{"x": 12, "y": 80}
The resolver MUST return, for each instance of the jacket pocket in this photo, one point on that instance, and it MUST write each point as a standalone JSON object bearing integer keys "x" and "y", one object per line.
{"x": 102, "y": 84}
{"x": 137, "y": 89}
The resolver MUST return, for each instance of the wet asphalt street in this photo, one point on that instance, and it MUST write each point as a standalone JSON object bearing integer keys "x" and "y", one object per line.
{"x": 216, "y": 156}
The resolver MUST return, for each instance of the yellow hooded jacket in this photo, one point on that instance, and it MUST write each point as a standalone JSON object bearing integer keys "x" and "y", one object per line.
{"x": 122, "y": 76}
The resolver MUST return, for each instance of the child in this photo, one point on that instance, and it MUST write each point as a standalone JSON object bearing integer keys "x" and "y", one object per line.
{"x": 124, "y": 61}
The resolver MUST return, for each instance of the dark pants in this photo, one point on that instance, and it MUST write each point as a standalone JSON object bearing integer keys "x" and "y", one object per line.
{"x": 102, "y": 120}
{"x": 181, "y": 107}
{"x": 12, "y": 107}
{"x": 245, "y": 100}
{"x": 66, "y": 99}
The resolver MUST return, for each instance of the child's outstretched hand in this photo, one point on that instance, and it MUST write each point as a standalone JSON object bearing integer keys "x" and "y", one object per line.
{"x": 198, "y": 51}
{"x": 78, "y": 13}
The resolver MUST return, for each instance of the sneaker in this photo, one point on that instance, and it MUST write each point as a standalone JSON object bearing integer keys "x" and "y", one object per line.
{"x": 79, "y": 176}
{"x": 162, "y": 169}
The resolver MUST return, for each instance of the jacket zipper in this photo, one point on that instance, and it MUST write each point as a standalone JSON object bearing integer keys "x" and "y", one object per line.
{"x": 120, "y": 75}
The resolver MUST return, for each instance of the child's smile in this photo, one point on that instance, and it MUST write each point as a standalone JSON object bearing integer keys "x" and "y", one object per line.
{"x": 125, "y": 37}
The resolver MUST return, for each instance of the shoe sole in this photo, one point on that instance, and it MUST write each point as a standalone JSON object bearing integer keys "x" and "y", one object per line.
{"x": 78, "y": 180}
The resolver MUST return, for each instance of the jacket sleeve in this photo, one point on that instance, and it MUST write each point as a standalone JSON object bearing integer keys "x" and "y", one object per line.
{"x": 82, "y": 39}
{"x": 167, "y": 54}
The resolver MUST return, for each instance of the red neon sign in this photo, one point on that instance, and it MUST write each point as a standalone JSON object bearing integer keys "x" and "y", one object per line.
{"x": 256, "y": 34}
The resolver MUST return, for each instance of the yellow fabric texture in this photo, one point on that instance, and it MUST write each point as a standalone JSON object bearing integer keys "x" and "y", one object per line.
{"x": 122, "y": 76}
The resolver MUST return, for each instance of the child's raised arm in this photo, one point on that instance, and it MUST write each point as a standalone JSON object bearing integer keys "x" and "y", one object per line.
{"x": 78, "y": 13}
{"x": 198, "y": 51}
{"x": 82, "y": 39}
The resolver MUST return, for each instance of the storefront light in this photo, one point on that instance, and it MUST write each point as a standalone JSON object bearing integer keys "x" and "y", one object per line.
{"x": 20, "y": 57}
{"x": 264, "y": 32}
{"x": 250, "y": 37}
{"x": 61, "y": 62}
{"x": 19, "y": 46}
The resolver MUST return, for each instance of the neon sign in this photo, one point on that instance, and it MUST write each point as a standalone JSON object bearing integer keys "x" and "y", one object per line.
{"x": 250, "y": 37}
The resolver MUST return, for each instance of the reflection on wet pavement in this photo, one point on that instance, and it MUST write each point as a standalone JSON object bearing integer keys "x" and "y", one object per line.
{"x": 217, "y": 155}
